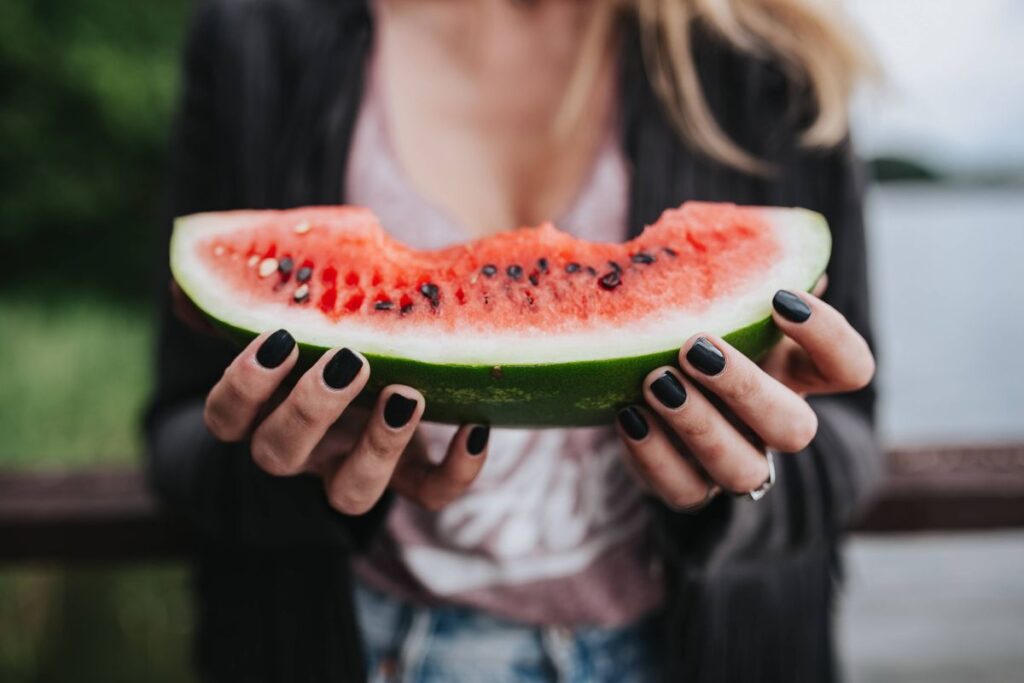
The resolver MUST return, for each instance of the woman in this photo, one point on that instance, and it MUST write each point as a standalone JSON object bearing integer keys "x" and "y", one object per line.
{"x": 339, "y": 544}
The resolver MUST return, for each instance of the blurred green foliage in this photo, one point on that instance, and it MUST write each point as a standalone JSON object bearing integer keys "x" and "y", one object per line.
{"x": 87, "y": 98}
{"x": 94, "y": 624}
{"x": 87, "y": 89}
{"x": 75, "y": 379}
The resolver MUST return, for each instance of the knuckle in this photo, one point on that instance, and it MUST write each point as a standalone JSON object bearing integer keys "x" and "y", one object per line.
{"x": 378, "y": 446}
{"x": 268, "y": 458}
{"x": 213, "y": 418}
{"x": 695, "y": 427}
{"x": 433, "y": 503}
{"x": 263, "y": 454}
{"x": 792, "y": 442}
{"x": 809, "y": 431}
{"x": 348, "y": 502}
{"x": 711, "y": 451}
{"x": 852, "y": 379}
{"x": 224, "y": 408}
{"x": 224, "y": 424}
{"x": 865, "y": 373}
{"x": 705, "y": 443}
{"x": 856, "y": 373}
{"x": 800, "y": 435}
{"x": 652, "y": 467}
{"x": 450, "y": 484}
{"x": 235, "y": 389}
{"x": 747, "y": 479}
{"x": 461, "y": 480}
{"x": 745, "y": 388}
{"x": 680, "y": 500}
{"x": 303, "y": 412}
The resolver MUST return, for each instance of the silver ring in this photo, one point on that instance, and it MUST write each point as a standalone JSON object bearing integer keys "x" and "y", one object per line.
{"x": 762, "y": 490}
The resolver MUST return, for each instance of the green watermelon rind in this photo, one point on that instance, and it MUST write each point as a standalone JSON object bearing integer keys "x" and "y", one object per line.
{"x": 561, "y": 394}
{"x": 574, "y": 394}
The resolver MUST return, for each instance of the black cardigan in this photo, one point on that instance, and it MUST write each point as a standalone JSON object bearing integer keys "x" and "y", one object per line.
{"x": 271, "y": 91}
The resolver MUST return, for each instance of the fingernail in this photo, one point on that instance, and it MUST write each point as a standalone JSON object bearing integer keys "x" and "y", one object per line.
{"x": 791, "y": 307}
{"x": 705, "y": 357}
{"x": 669, "y": 390}
{"x": 633, "y": 423}
{"x": 476, "y": 442}
{"x": 398, "y": 410}
{"x": 342, "y": 369}
{"x": 275, "y": 349}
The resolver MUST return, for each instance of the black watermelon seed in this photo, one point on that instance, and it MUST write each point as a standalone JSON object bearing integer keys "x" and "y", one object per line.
{"x": 642, "y": 257}
{"x": 515, "y": 272}
{"x": 610, "y": 280}
{"x": 285, "y": 265}
{"x": 592, "y": 271}
{"x": 489, "y": 270}
{"x": 534, "y": 279}
{"x": 430, "y": 290}
{"x": 301, "y": 295}
{"x": 305, "y": 272}
{"x": 615, "y": 266}
{"x": 572, "y": 267}
{"x": 406, "y": 308}
{"x": 384, "y": 305}
{"x": 670, "y": 251}
{"x": 542, "y": 264}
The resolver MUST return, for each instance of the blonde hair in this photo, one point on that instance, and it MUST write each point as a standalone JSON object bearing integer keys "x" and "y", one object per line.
{"x": 807, "y": 38}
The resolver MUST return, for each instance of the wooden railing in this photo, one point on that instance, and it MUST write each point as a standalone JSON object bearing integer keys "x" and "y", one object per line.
{"x": 95, "y": 514}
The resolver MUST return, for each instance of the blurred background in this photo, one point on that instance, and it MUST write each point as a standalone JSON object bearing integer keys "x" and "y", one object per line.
{"x": 88, "y": 89}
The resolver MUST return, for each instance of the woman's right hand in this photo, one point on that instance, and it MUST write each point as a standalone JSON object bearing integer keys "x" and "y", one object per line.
{"x": 313, "y": 429}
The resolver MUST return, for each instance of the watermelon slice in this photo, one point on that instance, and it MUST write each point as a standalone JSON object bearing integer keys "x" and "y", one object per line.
{"x": 531, "y": 327}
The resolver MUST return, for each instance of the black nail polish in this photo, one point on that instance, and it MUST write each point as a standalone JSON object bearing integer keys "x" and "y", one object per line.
{"x": 398, "y": 410}
{"x": 275, "y": 349}
{"x": 669, "y": 390}
{"x": 633, "y": 423}
{"x": 791, "y": 307}
{"x": 476, "y": 442}
{"x": 705, "y": 357}
{"x": 342, "y": 369}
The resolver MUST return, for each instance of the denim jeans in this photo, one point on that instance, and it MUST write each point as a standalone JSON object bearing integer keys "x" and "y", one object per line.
{"x": 411, "y": 644}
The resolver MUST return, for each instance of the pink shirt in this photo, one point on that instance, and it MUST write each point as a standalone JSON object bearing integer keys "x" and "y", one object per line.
{"x": 553, "y": 530}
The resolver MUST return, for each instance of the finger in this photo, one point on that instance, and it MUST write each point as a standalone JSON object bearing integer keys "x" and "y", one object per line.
{"x": 434, "y": 486}
{"x": 283, "y": 441}
{"x": 656, "y": 461}
{"x": 360, "y": 479}
{"x": 726, "y": 455}
{"x": 839, "y": 354}
{"x": 629, "y": 464}
{"x": 782, "y": 419}
{"x": 249, "y": 382}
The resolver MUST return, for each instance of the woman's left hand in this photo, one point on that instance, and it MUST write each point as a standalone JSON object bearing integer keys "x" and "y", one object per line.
{"x": 719, "y": 414}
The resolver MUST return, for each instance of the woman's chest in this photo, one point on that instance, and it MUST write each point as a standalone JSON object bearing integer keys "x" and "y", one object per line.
{"x": 474, "y": 129}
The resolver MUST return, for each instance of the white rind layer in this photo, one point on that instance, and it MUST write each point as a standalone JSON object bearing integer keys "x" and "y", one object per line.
{"x": 802, "y": 234}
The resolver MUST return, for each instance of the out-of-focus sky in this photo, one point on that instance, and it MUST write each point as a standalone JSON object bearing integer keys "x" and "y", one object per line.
{"x": 953, "y": 96}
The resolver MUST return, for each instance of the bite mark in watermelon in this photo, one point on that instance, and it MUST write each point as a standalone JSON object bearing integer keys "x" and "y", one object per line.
{"x": 531, "y": 327}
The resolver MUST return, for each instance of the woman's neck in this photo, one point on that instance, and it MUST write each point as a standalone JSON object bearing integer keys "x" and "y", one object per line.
{"x": 472, "y": 91}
